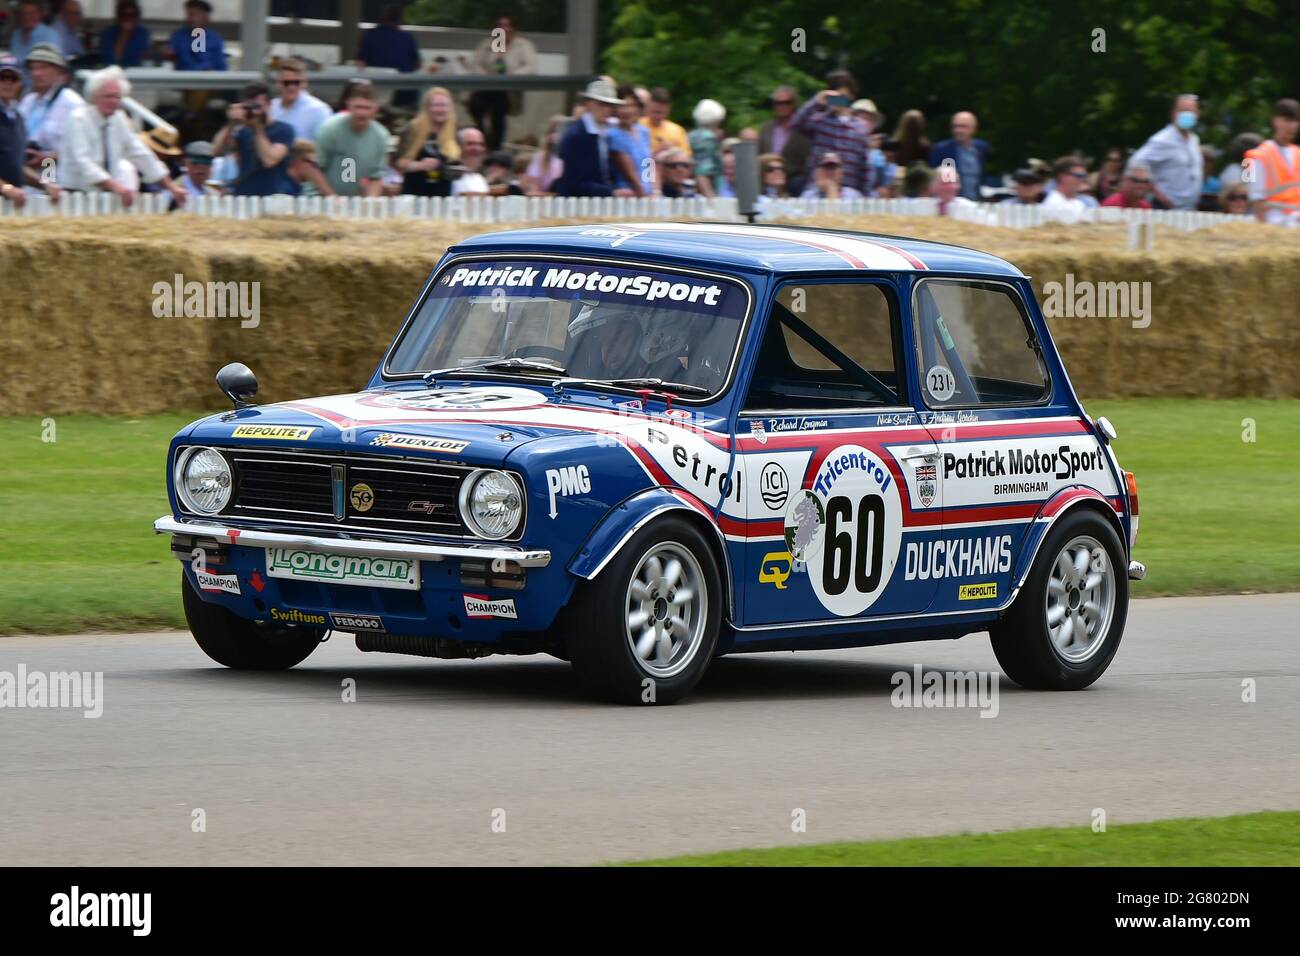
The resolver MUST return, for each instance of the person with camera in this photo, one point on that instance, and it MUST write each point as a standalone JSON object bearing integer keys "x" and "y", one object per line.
{"x": 429, "y": 148}
{"x": 261, "y": 143}
{"x": 828, "y": 121}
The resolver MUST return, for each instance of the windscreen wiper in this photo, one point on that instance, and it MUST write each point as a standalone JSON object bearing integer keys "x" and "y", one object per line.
{"x": 654, "y": 383}
{"x": 497, "y": 365}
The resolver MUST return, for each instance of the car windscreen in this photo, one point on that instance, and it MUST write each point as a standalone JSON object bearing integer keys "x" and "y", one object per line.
{"x": 587, "y": 320}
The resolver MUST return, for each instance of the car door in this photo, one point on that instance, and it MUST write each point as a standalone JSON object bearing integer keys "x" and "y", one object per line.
{"x": 823, "y": 434}
{"x": 1007, "y": 442}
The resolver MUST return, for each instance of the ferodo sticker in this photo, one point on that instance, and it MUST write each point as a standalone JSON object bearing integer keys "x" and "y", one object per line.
{"x": 274, "y": 432}
{"x": 848, "y": 528}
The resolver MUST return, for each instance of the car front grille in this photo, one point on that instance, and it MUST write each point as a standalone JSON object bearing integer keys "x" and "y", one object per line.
{"x": 333, "y": 491}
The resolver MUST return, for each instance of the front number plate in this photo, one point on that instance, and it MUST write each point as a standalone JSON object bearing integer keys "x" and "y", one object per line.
{"x": 299, "y": 565}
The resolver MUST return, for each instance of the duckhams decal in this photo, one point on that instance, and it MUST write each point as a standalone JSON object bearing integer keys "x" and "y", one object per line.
{"x": 957, "y": 557}
{"x": 848, "y": 528}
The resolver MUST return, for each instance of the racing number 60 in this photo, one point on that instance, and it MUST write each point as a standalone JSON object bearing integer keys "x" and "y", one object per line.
{"x": 859, "y": 544}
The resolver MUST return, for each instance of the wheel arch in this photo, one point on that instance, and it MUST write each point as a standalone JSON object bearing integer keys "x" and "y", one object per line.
{"x": 1068, "y": 501}
{"x": 608, "y": 538}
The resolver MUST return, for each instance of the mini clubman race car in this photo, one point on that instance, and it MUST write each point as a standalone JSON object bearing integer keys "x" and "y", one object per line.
{"x": 641, "y": 447}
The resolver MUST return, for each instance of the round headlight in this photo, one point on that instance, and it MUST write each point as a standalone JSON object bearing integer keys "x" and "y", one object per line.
{"x": 203, "y": 480}
{"x": 492, "y": 504}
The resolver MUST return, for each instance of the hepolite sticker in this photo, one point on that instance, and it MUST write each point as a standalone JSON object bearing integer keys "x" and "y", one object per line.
{"x": 851, "y": 556}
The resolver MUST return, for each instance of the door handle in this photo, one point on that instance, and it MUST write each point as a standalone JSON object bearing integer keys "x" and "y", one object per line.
{"x": 922, "y": 456}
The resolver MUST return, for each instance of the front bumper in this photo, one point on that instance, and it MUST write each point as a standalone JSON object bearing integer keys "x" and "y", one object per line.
{"x": 364, "y": 547}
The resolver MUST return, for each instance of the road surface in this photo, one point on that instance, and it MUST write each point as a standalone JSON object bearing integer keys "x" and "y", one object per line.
{"x": 432, "y": 754}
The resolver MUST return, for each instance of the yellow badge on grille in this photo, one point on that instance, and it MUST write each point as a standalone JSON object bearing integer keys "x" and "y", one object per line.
{"x": 362, "y": 497}
{"x": 273, "y": 432}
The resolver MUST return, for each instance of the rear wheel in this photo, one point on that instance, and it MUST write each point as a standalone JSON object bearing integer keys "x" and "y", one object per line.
{"x": 1065, "y": 625}
{"x": 245, "y": 645}
{"x": 646, "y": 628}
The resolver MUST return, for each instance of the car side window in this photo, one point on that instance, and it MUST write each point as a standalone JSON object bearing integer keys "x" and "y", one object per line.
{"x": 976, "y": 346}
{"x": 828, "y": 346}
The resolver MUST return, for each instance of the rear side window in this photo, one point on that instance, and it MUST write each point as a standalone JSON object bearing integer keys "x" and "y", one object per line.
{"x": 827, "y": 346}
{"x": 975, "y": 346}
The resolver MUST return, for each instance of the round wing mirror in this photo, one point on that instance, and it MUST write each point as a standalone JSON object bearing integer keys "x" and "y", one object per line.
{"x": 238, "y": 382}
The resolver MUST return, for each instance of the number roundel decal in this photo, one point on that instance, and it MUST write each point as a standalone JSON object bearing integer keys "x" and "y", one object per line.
{"x": 853, "y": 546}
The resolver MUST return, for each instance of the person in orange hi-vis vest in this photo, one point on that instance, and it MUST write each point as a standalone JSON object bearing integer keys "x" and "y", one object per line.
{"x": 1274, "y": 169}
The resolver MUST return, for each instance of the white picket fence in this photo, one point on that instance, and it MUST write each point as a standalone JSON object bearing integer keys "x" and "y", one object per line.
{"x": 521, "y": 209}
{"x": 1015, "y": 216}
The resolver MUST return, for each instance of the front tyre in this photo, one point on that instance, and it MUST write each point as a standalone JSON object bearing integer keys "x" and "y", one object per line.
{"x": 1065, "y": 625}
{"x": 245, "y": 645}
{"x": 644, "y": 631}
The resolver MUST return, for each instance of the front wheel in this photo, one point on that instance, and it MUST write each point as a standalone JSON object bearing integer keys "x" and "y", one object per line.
{"x": 646, "y": 628}
{"x": 1065, "y": 625}
{"x": 245, "y": 645}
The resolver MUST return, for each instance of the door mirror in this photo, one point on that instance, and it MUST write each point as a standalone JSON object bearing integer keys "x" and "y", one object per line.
{"x": 238, "y": 382}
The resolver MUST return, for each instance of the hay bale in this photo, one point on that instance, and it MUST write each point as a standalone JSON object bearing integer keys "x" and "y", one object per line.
{"x": 81, "y": 334}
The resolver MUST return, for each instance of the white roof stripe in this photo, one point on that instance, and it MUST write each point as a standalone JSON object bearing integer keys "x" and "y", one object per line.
{"x": 859, "y": 252}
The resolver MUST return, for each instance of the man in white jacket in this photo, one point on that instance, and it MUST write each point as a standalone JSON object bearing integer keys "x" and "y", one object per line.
{"x": 98, "y": 136}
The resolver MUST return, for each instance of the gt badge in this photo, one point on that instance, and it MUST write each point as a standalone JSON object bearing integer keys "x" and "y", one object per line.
{"x": 362, "y": 497}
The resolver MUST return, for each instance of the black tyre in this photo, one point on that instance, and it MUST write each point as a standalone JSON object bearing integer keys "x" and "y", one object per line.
{"x": 245, "y": 645}
{"x": 644, "y": 631}
{"x": 1065, "y": 625}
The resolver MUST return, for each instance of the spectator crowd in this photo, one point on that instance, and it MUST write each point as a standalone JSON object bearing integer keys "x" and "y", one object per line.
{"x": 618, "y": 140}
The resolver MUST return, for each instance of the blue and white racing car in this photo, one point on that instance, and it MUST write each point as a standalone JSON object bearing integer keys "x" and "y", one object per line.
{"x": 639, "y": 447}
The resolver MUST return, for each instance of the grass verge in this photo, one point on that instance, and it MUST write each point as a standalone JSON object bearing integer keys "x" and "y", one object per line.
{"x": 77, "y": 552}
{"x": 1253, "y": 839}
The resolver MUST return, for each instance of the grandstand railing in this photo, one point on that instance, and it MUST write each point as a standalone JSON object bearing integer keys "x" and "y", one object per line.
{"x": 518, "y": 209}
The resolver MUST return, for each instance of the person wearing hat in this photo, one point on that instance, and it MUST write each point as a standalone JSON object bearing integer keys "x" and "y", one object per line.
{"x": 585, "y": 149}
{"x": 48, "y": 104}
{"x": 98, "y": 140}
{"x": 828, "y": 180}
{"x": 13, "y": 133}
{"x": 30, "y": 30}
{"x": 198, "y": 167}
{"x": 165, "y": 143}
{"x": 1029, "y": 188}
{"x": 196, "y": 46}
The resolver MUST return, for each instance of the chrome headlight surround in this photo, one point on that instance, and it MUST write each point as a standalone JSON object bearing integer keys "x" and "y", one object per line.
{"x": 211, "y": 472}
{"x": 491, "y": 503}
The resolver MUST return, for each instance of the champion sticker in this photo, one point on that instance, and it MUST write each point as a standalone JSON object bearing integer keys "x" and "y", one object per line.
{"x": 218, "y": 583}
{"x": 480, "y": 606}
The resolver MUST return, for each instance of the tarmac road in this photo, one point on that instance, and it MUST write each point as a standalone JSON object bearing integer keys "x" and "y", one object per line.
{"x": 412, "y": 772}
